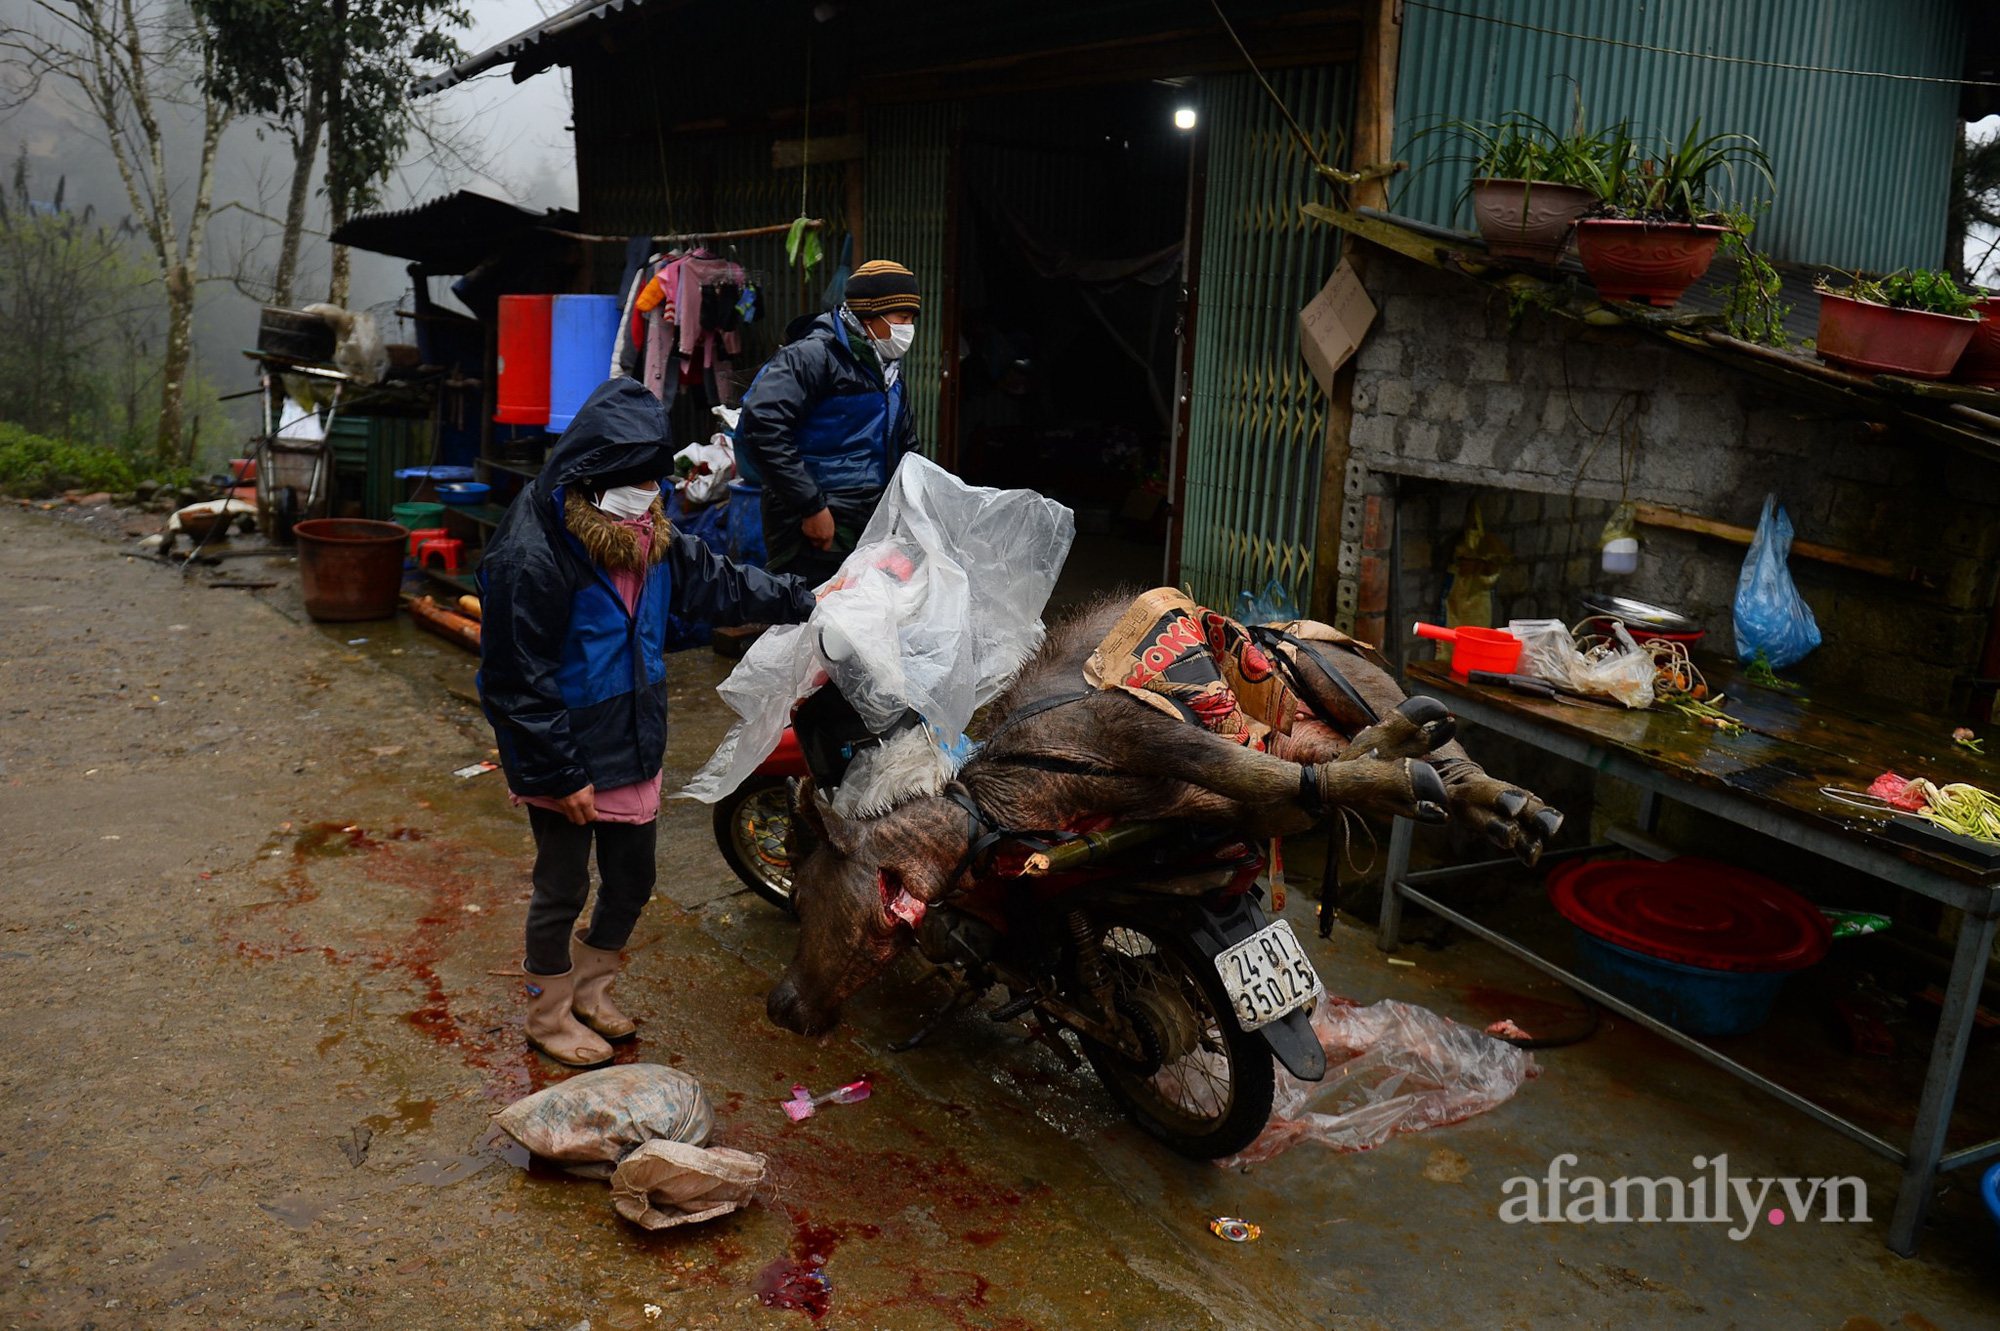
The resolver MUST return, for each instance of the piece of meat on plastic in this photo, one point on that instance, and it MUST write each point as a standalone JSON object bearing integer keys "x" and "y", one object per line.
{"x": 1391, "y": 1068}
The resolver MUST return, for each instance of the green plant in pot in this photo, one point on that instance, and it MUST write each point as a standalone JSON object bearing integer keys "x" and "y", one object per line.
{"x": 1656, "y": 224}
{"x": 1529, "y": 182}
{"x": 1915, "y": 323}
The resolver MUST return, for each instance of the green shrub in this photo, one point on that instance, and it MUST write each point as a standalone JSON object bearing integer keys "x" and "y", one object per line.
{"x": 33, "y": 466}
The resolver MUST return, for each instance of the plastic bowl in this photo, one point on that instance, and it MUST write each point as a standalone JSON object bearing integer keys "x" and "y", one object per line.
{"x": 1485, "y": 649}
{"x": 463, "y": 492}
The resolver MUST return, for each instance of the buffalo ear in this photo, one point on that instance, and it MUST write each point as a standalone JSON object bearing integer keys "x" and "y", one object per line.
{"x": 844, "y": 834}
{"x": 808, "y": 827}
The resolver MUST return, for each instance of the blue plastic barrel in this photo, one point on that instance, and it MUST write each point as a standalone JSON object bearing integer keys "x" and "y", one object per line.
{"x": 581, "y": 332}
{"x": 746, "y": 524}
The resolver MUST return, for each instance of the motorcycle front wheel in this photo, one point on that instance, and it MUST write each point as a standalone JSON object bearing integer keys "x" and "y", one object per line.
{"x": 752, "y": 826}
{"x": 1203, "y": 1085}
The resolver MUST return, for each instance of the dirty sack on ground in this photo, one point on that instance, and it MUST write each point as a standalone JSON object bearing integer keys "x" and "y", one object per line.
{"x": 644, "y": 1127}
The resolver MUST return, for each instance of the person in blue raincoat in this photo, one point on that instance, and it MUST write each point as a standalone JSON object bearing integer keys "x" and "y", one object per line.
{"x": 826, "y": 422}
{"x": 576, "y": 588}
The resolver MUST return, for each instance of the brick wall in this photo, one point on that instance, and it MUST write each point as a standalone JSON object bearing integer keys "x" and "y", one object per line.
{"x": 1542, "y": 419}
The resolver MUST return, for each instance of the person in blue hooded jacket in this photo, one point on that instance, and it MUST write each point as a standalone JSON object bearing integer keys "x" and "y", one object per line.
{"x": 826, "y": 421}
{"x": 576, "y": 588}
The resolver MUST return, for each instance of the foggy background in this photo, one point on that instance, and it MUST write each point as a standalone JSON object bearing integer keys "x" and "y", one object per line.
{"x": 498, "y": 137}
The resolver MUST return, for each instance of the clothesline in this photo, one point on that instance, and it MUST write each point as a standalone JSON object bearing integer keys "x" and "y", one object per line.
{"x": 689, "y": 237}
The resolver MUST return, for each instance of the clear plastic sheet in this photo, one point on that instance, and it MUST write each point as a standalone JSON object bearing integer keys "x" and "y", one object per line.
{"x": 938, "y": 607}
{"x": 1391, "y": 1068}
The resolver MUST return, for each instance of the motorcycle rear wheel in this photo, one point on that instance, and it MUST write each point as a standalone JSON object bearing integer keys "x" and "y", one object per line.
{"x": 751, "y": 830}
{"x": 1205, "y": 1087}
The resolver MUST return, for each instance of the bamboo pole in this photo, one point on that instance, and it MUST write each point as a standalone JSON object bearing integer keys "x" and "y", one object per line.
{"x": 1656, "y": 515}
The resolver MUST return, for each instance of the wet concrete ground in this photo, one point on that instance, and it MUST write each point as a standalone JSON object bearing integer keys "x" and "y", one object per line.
{"x": 258, "y": 942}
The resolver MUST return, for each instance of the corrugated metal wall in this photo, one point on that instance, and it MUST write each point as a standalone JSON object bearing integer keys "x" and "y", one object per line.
{"x": 1258, "y": 419}
{"x": 1863, "y": 164}
{"x": 905, "y": 217}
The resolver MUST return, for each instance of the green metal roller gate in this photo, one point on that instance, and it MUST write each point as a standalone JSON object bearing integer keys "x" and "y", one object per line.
{"x": 1257, "y": 417}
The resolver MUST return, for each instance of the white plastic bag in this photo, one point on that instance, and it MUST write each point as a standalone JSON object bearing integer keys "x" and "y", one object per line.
{"x": 1391, "y": 1068}
{"x": 718, "y": 456}
{"x": 1547, "y": 649}
{"x": 938, "y": 606}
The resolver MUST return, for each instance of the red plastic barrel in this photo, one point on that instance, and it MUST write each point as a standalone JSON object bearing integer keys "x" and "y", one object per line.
{"x": 524, "y": 360}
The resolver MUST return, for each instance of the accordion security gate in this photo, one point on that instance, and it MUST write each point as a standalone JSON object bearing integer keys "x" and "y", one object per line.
{"x": 1257, "y": 420}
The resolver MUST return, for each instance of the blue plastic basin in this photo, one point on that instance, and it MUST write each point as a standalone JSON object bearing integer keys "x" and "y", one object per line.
{"x": 1990, "y": 1189}
{"x": 1691, "y": 999}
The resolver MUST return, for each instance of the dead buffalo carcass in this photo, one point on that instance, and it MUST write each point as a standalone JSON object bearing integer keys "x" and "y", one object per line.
{"x": 1133, "y": 956}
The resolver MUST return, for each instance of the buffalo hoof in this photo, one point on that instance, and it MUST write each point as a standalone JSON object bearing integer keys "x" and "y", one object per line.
{"x": 1417, "y": 727}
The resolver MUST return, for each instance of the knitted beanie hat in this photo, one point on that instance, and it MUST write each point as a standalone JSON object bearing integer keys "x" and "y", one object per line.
{"x": 882, "y": 287}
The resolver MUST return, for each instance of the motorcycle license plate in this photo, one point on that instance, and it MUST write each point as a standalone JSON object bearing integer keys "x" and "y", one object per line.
{"x": 1267, "y": 975}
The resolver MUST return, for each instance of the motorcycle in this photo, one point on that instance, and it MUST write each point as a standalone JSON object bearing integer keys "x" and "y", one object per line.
{"x": 1146, "y": 941}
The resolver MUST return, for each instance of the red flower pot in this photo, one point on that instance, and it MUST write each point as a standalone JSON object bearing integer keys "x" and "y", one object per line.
{"x": 1878, "y": 339}
{"x": 1648, "y": 262}
{"x": 1528, "y": 219}
{"x": 1981, "y": 362}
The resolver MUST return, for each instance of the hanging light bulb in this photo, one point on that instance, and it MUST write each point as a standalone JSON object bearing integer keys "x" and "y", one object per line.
{"x": 1184, "y": 118}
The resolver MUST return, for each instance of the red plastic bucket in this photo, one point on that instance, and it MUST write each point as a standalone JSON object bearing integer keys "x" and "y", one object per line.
{"x": 352, "y": 568}
{"x": 1476, "y": 648}
{"x": 523, "y": 393}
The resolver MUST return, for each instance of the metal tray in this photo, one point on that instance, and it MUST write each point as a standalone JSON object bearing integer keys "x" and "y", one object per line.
{"x": 1637, "y": 614}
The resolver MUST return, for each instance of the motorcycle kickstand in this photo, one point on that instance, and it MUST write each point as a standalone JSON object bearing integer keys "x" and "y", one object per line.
{"x": 960, "y": 997}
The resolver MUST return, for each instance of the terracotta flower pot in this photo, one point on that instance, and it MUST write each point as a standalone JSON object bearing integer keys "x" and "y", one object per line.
{"x": 1878, "y": 339}
{"x": 1648, "y": 262}
{"x": 1981, "y": 362}
{"x": 1528, "y": 219}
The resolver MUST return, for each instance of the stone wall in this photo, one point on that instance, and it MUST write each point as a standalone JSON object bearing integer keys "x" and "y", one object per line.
{"x": 1550, "y": 422}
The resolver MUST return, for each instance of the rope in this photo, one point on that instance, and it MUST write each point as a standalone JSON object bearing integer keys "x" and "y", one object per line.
{"x": 806, "y": 135}
{"x": 1269, "y": 91}
{"x": 1696, "y": 55}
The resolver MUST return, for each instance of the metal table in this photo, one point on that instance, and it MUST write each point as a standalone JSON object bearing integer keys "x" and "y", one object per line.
{"x": 1768, "y": 780}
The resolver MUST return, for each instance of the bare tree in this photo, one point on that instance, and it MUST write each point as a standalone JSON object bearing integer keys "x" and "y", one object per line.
{"x": 135, "y": 71}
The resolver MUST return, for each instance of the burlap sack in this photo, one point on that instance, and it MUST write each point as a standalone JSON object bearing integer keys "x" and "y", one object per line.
{"x": 595, "y": 1119}
{"x": 664, "y": 1183}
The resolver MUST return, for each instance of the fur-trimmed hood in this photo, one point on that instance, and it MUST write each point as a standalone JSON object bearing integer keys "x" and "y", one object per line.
{"x": 609, "y": 543}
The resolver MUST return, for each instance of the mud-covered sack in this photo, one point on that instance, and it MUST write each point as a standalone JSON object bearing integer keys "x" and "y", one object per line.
{"x": 598, "y": 1118}
{"x": 668, "y": 1183}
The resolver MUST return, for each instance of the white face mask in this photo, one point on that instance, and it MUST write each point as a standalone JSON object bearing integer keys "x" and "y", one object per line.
{"x": 625, "y": 502}
{"x": 901, "y": 338}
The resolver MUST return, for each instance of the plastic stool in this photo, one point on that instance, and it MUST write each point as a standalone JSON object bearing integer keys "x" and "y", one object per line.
{"x": 446, "y": 548}
{"x": 423, "y": 534}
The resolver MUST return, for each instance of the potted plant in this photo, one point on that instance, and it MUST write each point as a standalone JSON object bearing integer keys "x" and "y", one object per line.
{"x": 1981, "y": 362}
{"x": 1655, "y": 230}
{"x": 1529, "y": 183}
{"x": 1912, "y": 323}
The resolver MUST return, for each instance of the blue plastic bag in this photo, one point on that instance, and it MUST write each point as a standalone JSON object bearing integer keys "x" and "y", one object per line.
{"x": 1275, "y": 606}
{"x": 1771, "y": 616}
